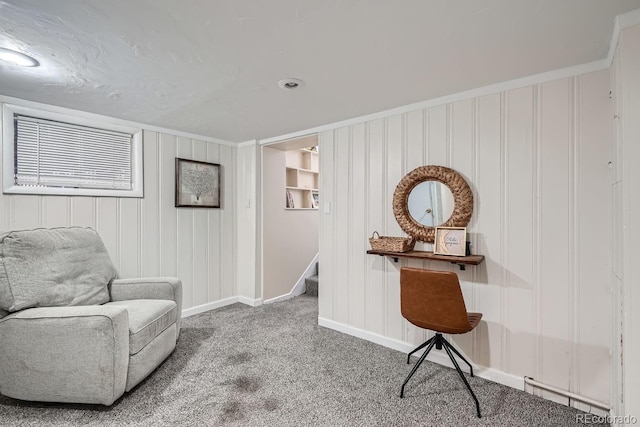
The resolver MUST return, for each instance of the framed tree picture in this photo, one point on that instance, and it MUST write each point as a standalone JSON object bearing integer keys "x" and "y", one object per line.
{"x": 197, "y": 184}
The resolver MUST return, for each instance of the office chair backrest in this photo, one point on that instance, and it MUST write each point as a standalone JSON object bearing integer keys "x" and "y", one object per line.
{"x": 433, "y": 300}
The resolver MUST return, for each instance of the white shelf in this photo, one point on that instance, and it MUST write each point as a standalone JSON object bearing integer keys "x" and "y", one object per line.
{"x": 301, "y": 188}
{"x": 302, "y": 173}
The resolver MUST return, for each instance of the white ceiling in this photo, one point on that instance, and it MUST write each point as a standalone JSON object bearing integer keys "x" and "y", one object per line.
{"x": 211, "y": 67}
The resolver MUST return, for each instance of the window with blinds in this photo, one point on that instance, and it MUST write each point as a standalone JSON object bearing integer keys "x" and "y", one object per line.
{"x": 52, "y": 155}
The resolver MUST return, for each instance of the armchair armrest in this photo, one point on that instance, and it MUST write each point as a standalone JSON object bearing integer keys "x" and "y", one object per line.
{"x": 169, "y": 288}
{"x": 65, "y": 354}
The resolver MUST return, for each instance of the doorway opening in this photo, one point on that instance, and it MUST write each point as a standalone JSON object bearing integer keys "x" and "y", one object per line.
{"x": 290, "y": 217}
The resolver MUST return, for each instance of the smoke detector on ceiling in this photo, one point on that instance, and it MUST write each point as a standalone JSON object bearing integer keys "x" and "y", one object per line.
{"x": 290, "y": 84}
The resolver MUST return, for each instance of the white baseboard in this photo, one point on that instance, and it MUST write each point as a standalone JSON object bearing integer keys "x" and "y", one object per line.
{"x": 300, "y": 287}
{"x": 281, "y": 298}
{"x": 438, "y": 357}
{"x": 220, "y": 303}
{"x": 208, "y": 306}
{"x": 253, "y": 302}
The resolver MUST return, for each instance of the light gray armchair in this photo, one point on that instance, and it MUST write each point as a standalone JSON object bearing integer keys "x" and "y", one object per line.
{"x": 70, "y": 331}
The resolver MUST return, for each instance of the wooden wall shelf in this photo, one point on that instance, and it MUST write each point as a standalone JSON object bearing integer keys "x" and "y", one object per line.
{"x": 462, "y": 261}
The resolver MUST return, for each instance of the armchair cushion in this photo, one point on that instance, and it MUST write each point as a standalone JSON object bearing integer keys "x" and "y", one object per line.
{"x": 169, "y": 288}
{"x": 53, "y": 267}
{"x": 147, "y": 320}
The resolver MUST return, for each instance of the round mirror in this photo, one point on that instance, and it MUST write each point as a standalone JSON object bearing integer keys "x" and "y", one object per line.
{"x": 430, "y": 203}
{"x": 432, "y": 196}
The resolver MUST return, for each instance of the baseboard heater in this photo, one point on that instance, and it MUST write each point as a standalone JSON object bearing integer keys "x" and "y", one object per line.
{"x": 532, "y": 382}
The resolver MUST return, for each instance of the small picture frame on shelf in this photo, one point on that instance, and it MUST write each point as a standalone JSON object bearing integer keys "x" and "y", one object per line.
{"x": 450, "y": 241}
{"x": 315, "y": 199}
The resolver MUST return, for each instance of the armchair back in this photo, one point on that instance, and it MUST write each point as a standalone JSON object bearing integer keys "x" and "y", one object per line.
{"x": 53, "y": 267}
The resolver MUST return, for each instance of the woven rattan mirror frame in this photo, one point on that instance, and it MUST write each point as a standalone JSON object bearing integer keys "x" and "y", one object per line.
{"x": 462, "y": 200}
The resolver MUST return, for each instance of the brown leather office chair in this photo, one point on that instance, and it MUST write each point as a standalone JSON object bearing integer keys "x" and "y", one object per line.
{"x": 433, "y": 300}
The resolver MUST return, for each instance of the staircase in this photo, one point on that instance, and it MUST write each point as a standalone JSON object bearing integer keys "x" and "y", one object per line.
{"x": 311, "y": 284}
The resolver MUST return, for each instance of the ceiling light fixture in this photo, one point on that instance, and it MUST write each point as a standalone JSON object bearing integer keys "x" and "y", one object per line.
{"x": 290, "y": 83}
{"x": 17, "y": 58}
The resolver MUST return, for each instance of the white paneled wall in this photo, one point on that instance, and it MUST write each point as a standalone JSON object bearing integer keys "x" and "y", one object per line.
{"x": 249, "y": 287}
{"x": 149, "y": 236}
{"x": 625, "y": 84}
{"x": 536, "y": 159}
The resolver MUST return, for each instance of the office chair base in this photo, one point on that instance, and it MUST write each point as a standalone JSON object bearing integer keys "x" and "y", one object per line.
{"x": 439, "y": 342}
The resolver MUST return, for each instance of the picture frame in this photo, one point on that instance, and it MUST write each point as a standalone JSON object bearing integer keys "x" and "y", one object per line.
{"x": 450, "y": 241}
{"x": 197, "y": 184}
{"x": 315, "y": 199}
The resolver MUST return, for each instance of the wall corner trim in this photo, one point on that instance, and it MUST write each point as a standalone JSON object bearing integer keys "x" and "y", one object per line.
{"x": 628, "y": 19}
{"x": 247, "y": 143}
{"x": 621, "y": 22}
{"x": 253, "y": 302}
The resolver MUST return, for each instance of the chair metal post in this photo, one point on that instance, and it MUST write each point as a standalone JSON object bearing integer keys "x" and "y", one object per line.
{"x": 459, "y": 355}
{"x": 446, "y": 347}
{"x": 420, "y": 347}
{"x": 438, "y": 341}
{"x": 424, "y": 355}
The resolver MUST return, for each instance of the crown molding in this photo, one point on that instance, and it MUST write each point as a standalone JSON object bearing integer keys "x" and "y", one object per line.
{"x": 621, "y": 22}
{"x": 247, "y": 143}
{"x": 473, "y": 93}
{"x": 120, "y": 122}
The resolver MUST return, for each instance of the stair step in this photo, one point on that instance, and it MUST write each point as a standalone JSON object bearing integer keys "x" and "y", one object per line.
{"x": 311, "y": 283}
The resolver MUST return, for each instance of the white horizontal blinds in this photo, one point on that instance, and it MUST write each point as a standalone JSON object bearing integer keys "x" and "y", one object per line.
{"x": 56, "y": 154}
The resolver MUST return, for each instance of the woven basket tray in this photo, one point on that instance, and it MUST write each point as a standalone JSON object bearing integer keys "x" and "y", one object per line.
{"x": 391, "y": 244}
